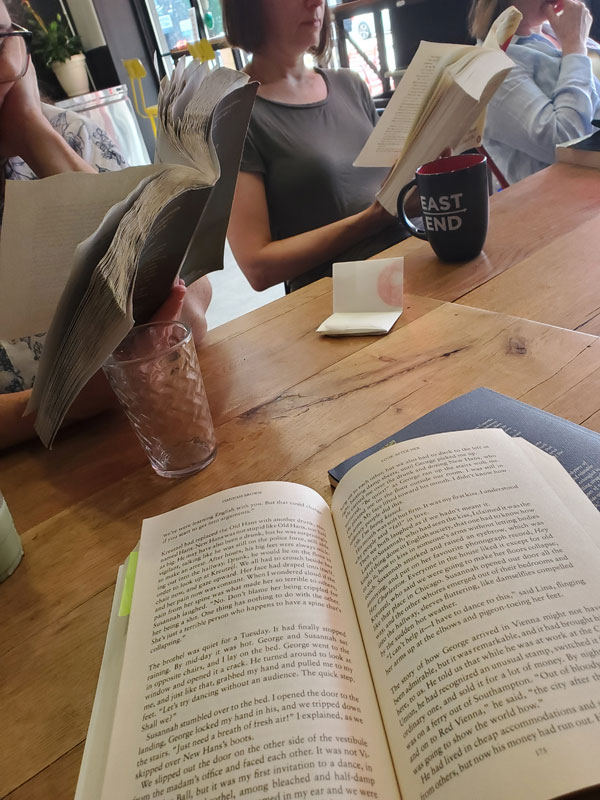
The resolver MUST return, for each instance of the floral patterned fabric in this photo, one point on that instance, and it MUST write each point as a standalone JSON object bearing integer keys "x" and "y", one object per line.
{"x": 19, "y": 358}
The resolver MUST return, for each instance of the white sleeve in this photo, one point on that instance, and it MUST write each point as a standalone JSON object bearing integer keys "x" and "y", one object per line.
{"x": 525, "y": 118}
{"x": 86, "y": 138}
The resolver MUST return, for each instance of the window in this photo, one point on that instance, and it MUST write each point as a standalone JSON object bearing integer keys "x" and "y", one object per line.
{"x": 174, "y": 23}
{"x": 361, "y": 50}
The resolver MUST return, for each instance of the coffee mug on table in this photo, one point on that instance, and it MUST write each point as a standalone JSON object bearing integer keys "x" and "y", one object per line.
{"x": 453, "y": 194}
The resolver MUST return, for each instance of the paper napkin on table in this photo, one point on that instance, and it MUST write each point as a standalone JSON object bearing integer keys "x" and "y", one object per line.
{"x": 367, "y": 297}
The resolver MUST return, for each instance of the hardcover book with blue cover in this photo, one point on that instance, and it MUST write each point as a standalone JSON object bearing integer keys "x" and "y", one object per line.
{"x": 575, "y": 447}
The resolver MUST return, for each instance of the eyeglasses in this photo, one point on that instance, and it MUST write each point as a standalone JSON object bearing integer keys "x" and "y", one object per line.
{"x": 15, "y": 47}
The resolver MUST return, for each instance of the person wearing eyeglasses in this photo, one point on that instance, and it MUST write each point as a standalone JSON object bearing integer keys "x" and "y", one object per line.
{"x": 37, "y": 141}
{"x": 27, "y": 132}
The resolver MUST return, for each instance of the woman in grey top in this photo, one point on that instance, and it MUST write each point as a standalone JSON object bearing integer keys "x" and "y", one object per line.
{"x": 299, "y": 202}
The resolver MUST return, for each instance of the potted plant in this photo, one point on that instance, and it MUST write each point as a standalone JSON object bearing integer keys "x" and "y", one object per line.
{"x": 60, "y": 49}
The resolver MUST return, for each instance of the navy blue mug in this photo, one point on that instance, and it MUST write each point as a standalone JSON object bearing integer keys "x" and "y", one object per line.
{"x": 453, "y": 194}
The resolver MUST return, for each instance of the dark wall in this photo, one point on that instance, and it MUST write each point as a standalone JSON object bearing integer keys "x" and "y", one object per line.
{"x": 594, "y": 7}
{"x": 433, "y": 20}
{"x": 47, "y": 9}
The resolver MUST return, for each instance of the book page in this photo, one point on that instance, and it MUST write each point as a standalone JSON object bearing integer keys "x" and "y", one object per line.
{"x": 96, "y": 310}
{"x": 229, "y": 127}
{"x": 93, "y": 763}
{"x": 452, "y": 116}
{"x": 475, "y": 570}
{"x": 393, "y": 129}
{"x": 503, "y": 28}
{"x": 440, "y": 133}
{"x": 244, "y": 673}
{"x": 40, "y": 235}
{"x": 480, "y": 76}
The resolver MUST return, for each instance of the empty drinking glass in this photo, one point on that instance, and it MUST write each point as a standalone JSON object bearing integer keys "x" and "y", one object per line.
{"x": 156, "y": 376}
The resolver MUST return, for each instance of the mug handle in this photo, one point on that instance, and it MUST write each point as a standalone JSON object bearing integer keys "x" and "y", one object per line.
{"x": 403, "y": 219}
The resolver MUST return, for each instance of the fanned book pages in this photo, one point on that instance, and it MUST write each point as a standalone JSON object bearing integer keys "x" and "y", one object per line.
{"x": 434, "y": 635}
{"x": 439, "y": 103}
{"x": 171, "y": 221}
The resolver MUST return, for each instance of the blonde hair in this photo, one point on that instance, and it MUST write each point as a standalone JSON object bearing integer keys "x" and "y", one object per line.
{"x": 482, "y": 14}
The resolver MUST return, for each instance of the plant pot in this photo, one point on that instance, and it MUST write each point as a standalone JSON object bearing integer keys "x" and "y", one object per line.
{"x": 72, "y": 75}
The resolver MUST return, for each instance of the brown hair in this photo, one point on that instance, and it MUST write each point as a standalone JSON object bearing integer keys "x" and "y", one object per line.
{"x": 245, "y": 27}
{"x": 482, "y": 14}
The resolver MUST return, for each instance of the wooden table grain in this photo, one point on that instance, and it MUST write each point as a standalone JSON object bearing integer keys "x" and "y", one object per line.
{"x": 541, "y": 258}
{"x": 287, "y": 405}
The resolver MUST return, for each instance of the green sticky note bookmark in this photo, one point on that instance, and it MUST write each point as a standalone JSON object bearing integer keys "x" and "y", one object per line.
{"x": 127, "y": 595}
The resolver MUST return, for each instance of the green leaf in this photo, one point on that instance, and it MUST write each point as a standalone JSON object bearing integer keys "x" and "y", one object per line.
{"x": 57, "y": 43}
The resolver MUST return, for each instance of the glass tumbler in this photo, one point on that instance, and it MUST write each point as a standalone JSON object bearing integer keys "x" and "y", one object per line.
{"x": 11, "y": 549}
{"x": 155, "y": 374}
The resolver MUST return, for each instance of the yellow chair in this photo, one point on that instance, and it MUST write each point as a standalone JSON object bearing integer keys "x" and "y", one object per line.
{"x": 201, "y": 50}
{"x": 136, "y": 71}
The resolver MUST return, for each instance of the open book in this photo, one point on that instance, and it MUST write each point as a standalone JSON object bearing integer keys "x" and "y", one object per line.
{"x": 436, "y": 634}
{"x": 151, "y": 224}
{"x": 439, "y": 103}
{"x": 577, "y": 448}
{"x": 582, "y": 152}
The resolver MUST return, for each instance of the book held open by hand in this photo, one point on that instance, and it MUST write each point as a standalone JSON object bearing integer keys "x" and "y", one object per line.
{"x": 440, "y": 103}
{"x": 144, "y": 227}
{"x": 435, "y": 634}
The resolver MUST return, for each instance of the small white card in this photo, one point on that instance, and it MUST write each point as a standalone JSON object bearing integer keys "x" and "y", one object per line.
{"x": 367, "y": 297}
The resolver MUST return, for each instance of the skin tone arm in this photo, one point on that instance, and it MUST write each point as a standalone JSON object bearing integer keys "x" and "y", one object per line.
{"x": 196, "y": 301}
{"x": 265, "y": 262}
{"x": 15, "y": 428}
{"x": 95, "y": 397}
{"x": 25, "y": 132}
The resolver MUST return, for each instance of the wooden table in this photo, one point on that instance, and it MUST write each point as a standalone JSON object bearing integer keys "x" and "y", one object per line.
{"x": 287, "y": 405}
{"x": 541, "y": 259}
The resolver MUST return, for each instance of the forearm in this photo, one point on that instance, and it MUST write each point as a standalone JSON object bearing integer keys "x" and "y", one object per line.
{"x": 14, "y": 427}
{"x": 524, "y": 118}
{"x": 47, "y": 153}
{"x": 94, "y": 398}
{"x": 195, "y": 303}
{"x": 575, "y": 100}
{"x": 286, "y": 259}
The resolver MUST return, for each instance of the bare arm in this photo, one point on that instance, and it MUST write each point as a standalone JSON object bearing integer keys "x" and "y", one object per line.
{"x": 96, "y": 396}
{"x": 265, "y": 262}
{"x": 25, "y": 132}
{"x": 196, "y": 301}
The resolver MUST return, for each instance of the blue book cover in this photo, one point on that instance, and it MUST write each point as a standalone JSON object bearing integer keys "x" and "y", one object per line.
{"x": 575, "y": 447}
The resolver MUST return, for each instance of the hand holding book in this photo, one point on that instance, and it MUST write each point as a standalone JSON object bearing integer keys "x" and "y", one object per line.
{"x": 172, "y": 222}
{"x": 439, "y": 103}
